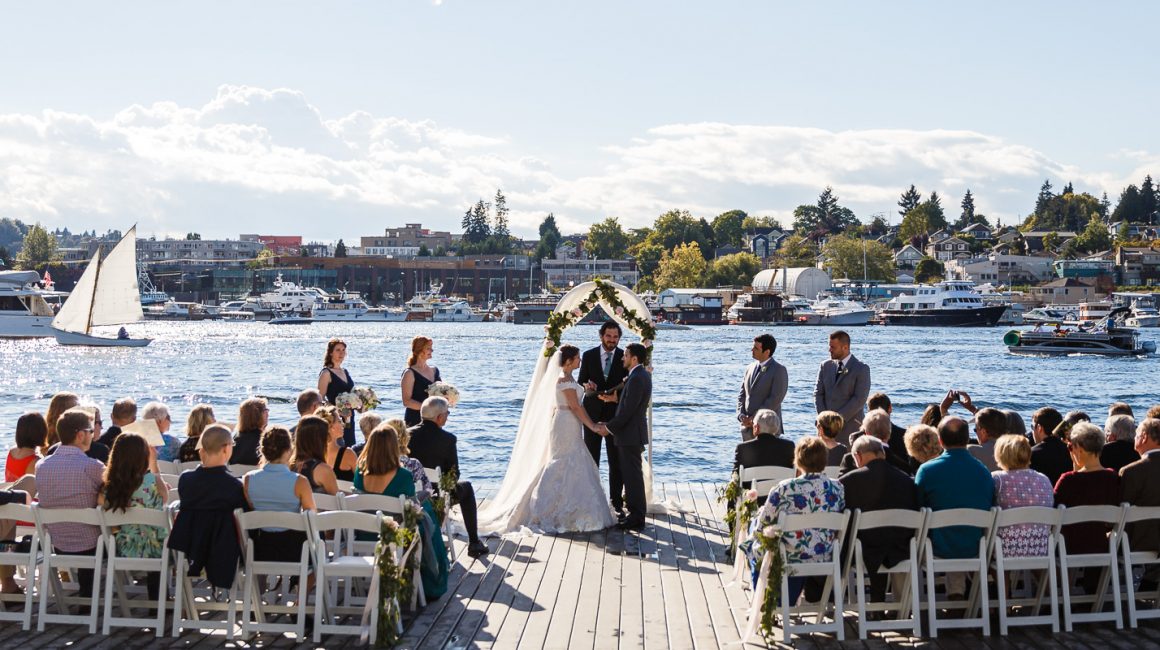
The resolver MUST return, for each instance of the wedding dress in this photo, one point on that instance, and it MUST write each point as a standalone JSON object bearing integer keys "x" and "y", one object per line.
{"x": 566, "y": 495}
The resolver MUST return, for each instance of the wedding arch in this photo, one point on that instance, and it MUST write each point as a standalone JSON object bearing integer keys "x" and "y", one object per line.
{"x": 530, "y": 450}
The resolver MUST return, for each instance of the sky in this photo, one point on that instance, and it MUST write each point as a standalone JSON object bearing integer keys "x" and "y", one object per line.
{"x": 340, "y": 119}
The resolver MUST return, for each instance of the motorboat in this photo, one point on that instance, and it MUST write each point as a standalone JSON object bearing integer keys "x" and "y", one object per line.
{"x": 26, "y": 305}
{"x": 456, "y": 312}
{"x": 1143, "y": 313}
{"x": 803, "y": 312}
{"x": 289, "y": 297}
{"x": 1094, "y": 311}
{"x": 840, "y": 311}
{"x": 349, "y": 307}
{"x": 106, "y": 294}
{"x": 290, "y": 318}
{"x": 174, "y": 310}
{"x": 1050, "y": 314}
{"x": 951, "y": 303}
{"x": 1105, "y": 338}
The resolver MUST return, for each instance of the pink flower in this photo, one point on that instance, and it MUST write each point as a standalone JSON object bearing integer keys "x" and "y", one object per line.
{"x": 619, "y": 310}
{"x": 751, "y": 495}
{"x": 549, "y": 343}
{"x": 769, "y": 532}
{"x": 646, "y": 343}
{"x": 577, "y": 313}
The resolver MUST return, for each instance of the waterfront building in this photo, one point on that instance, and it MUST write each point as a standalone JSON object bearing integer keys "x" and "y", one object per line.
{"x": 278, "y": 244}
{"x": 1138, "y": 265}
{"x": 948, "y": 248}
{"x": 197, "y": 250}
{"x": 406, "y": 241}
{"x": 907, "y": 257}
{"x": 806, "y": 281}
{"x": 1065, "y": 291}
{"x": 998, "y": 268}
{"x": 1085, "y": 268}
{"x": 563, "y": 271}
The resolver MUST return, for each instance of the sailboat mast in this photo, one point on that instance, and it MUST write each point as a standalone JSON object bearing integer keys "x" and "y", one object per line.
{"x": 93, "y": 298}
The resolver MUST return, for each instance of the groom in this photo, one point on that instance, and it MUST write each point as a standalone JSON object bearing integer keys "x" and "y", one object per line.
{"x": 629, "y": 430}
{"x": 602, "y": 371}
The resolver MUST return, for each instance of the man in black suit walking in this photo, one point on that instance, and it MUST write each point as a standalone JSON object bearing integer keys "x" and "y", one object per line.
{"x": 629, "y": 430}
{"x": 602, "y": 370}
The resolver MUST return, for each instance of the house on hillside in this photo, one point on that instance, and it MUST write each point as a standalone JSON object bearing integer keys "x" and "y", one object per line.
{"x": 907, "y": 257}
{"x": 978, "y": 231}
{"x": 948, "y": 248}
{"x": 1034, "y": 239}
{"x": 1135, "y": 230}
{"x": 997, "y": 268}
{"x": 1065, "y": 291}
{"x": 1138, "y": 265}
{"x": 764, "y": 241}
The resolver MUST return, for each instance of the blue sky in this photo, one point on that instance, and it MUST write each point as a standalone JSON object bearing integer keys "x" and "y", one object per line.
{"x": 335, "y": 119}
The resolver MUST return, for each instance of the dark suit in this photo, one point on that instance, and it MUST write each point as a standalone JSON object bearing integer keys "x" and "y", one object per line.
{"x": 1140, "y": 486}
{"x": 592, "y": 370}
{"x": 433, "y": 446}
{"x": 901, "y": 463}
{"x": 763, "y": 387}
{"x": 1118, "y": 454}
{"x": 880, "y": 486}
{"x": 629, "y": 428}
{"x": 1051, "y": 459}
{"x": 845, "y": 393}
{"x": 764, "y": 451}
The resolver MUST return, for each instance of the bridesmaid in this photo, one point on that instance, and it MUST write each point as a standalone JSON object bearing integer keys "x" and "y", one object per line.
{"x": 417, "y": 378}
{"x": 334, "y": 380}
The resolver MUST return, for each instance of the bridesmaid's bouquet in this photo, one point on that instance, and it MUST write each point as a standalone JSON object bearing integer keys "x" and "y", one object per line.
{"x": 444, "y": 390}
{"x": 359, "y": 399}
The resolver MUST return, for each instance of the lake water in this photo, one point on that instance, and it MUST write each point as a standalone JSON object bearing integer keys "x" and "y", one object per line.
{"x": 697, "y": 374}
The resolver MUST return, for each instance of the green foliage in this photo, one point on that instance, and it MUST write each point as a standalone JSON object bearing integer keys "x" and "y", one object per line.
{"x": 749, "y": 223}
{"x": 476, "y": 228}
{"x": 607, "y": 239}
{"x": 1051, "y": 241}
{"x": 38, "y": 251}
{"x": 396, "y": 583}
{"x": 728, "y": 228}
{"x": 648, "y": 258}
{"x": 922, "y": 220}
{"x": 967, "y": 217}
{"x": 193, "y": 236}
{"x": 909, "y": 200}
{"x": 5, "y": 257}
{"x": 796, "y": 251}
{"x": 340, "y": 249}
{"x": 12, "y": 232}
{"x": 549, "y": 238}
{"x": 265, "y": 257}
{"x": 735, "y": 270}
{"x": 845, "y": 256}
{"x": 684, "y": 266}
{"x": 824, "y": 217}
{"x": 303, "y": 251}
{"x": 877, "y": 227}
{"x": 1123, "y": 235}
{"x": 1094, "y": 237}
{"x": 677, "y": 227}
{"x": 928, "y": 270}
{"x": 1045, "y": 196}
{"x": 1070, "y": 212}
{"x": 424, "y": 251}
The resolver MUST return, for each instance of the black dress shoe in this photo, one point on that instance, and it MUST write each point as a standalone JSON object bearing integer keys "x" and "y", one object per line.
{"x": 631, "y": 524}
{"x": 477, "y": 549}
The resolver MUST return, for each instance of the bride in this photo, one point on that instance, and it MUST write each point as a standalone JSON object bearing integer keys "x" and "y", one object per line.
{"x": 552, "y": 485}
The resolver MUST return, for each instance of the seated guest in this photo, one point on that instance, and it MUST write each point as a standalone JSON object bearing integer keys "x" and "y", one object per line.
{"x": 1153, "y": 412}
{"x": 931, "y": 415}
{"x": 922, "y": 443}
{"x": 308, "y": 402}
{"x": 309, "y": 458}
{"x": 1049, "y": 456}
{"x": 131, "y": 481}
{"x": 159, "y": 413}
{"x": 955, "y": 480}
{"x": 1119, "y": 444}
{"x": 412, "y": 465}
{"x": 7, "y": 531}
{"x": 877, "y": 425}
{"x": 253, "y": 416}
{"x": 433, "y": 446}
{"x": 1019, "y": 486}
{"x": 70, "y": 479}
{"x": 877, "y": 485}
{"x": 59, "y": 403}
{"x": 829, "y": 425}
{"x": 1015, "y": 423}
{"x": 1070, "y": 419}
{"x": 275, "y": 488}
{"x": 766, "y": 448}
{"x": 96, "y": 450}
{"x": 341, "y": 459}
{"x": 123, "y": 414}
{"x": 205, "y": 529}
{"x": 990, "y": 424}
{"x": 1090, "y": 484}
{"x": 1120, "y": 408}
{"x": 811, "y": 491}
{"x": 882, "y": 401}
{"x": 1140, "y": 486}
{"x": 31, "y": 432}
{"x": 367, "y": 422}
{"x": 199, "y": 418}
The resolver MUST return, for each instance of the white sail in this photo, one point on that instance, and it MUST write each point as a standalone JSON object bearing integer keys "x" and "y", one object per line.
{"x": 118, "y": 298}
{"x": 106, "y": 293}
{"x": 74, "y": 313}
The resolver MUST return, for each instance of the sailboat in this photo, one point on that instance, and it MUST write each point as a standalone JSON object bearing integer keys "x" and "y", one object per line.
{"x": 106, "y": 294}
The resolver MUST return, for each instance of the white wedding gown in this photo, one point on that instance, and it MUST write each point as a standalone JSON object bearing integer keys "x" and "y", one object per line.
{"x": 567, "y": 495}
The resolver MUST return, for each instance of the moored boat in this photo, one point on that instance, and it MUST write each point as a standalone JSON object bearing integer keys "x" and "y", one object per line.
{"x": 952, "y": 303}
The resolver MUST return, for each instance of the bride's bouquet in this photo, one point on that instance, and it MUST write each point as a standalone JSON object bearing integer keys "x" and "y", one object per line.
{"x": 359, "y": 399}
{"x": 444, "y": 390}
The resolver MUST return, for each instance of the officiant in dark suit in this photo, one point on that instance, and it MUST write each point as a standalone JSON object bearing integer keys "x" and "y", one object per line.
{"x": 601, "y": 370}
{"x": 764, "y": 386}
{"x": 843, "y": 385}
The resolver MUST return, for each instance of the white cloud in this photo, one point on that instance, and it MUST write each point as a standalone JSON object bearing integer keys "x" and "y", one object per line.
{"x": 253, "y": 159}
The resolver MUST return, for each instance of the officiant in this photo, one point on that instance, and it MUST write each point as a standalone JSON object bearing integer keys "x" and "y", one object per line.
{"x": 602, "y": 372}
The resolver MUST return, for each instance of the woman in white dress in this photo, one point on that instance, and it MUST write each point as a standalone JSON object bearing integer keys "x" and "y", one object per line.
{"x": 566, "y": 495}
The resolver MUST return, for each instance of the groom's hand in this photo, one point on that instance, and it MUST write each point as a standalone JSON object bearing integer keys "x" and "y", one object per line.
{"x": 590, "y": 386}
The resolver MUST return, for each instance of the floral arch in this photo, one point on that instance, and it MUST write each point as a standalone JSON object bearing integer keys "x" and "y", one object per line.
{"x": 619, "y": 302}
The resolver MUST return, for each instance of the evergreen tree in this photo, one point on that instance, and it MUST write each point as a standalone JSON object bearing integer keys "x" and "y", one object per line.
{"x": 339, "y": 249}
{"x": 1131, "y": 206}
{"x": 549, "y": 238}
{"x": 968, "y": 215}
{"x": 938, "y": 218}
{"x": 1068, "y": 189}
{"x": 1105, "y": 207}
{"x": 1148, "y": 200}
{"x": 909, "y": 200}
{"x": 500, "y": 229}
{"x": 1045, "y": 196}
{"x": 38, "y": 250}
{"x": 824, "y": 217}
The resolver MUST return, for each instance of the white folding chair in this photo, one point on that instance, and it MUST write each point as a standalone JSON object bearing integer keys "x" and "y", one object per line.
{"x": 384, "y": 505}
{"x": 740, "y": 563}
{"x": 833, "y": 471}
{"x": 435, "y": 474}
{"x": 17, "y": 512}
{"x": 907, "y": 597}
{"x": 53, "y": 562}
{"x": 984, "y": 520}
{"x": 345, "y": 487}
{"x": 116, "y": 563}
{"x": 241, "y": 470}
{"x": 254, "y": 606}
{"x": 837, "y": 522}
{"x": 188, "y": 465}
{"x": 168, "y": 467}
{"x": 1107, "y": 562}
{"x": 192, "y": 599}
{"x": 1046, "y": 588}
{"x": 1136, "y": 515}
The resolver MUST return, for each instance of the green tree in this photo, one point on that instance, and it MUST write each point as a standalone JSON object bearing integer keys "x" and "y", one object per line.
{"x": 1050, "y": 241}
{"x": 303, "y": 251}
{"x": 1094, "y": 237}
{"x": 749, "y": 223}
{"x": 909, "y": 200}
{"x": 915, "y": 223}
{"x": 1148, "y": 200}
{"x": 1131, "y": 206}
{"x": 193, "y": 236}
{"x": 606, "y": 239}
{"x": 340, "y": 249}
{"x": 928, "y": 270}
{"x": 877, "y": 226}
{"x": 38, "y": 251}
{"x": 648, "y": 257}
{"x": 850, "y": 257}
{"x": 1105, "y": 207}
{"x": 265, "y": 257}
{"x": 826, "y": 216}
{"x": 476, "y": 228}
{"x": 968, "y": 215}
{"x": 499, "y": 230}
{"x": 684, "y": 266}
{"x": 1123, "y": 235}
{"x": 549, "y": 238}
{"x": 677, "y": 227}
{"x": 5, "y": 257}
{"x": 796, "y": 251}
{"x": 1045, "y": 195}
{"x": 938, "y": 218}
{"x": 12, "y": 231}
{"x": 728, "y": 228}
{"x": 736, "y": 270}
{"x": 424, "y": 251}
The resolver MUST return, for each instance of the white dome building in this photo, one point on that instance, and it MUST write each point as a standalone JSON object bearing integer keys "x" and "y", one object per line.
{"x": 805, "y": 281}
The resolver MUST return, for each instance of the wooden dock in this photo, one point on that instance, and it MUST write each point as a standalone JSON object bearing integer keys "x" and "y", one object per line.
{"x": 664, "y": 587}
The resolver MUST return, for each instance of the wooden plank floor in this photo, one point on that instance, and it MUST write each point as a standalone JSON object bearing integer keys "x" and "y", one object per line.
{"x": 664, "y": 587}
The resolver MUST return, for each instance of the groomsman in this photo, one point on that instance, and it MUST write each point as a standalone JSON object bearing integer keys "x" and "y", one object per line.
{"x": 602, "y": 370}
{"x": 843, "y": 385}
{"x": 764, "y": 386}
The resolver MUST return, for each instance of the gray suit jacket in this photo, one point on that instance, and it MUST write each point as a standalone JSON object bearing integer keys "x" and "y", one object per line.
{"x": 762, "y": 390}
{"x": 845, "y": 394}
{"x": 629, "y": 426}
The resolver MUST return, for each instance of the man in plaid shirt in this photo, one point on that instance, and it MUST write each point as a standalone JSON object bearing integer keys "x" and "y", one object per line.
{"x": 70, "y": 479}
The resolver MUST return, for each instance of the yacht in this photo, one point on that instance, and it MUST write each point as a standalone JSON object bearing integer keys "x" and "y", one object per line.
{"x": 457, "y": 311}
{"x": 1050, "y": 314}
{"x": 348, "y": 307}
{"x": 840, "y": 311}
{"x": 951, "y": 303}
{"x": 173, "y": 310}
{"x": 1094, "y": 311}
{"x": 1143, "y": 314}
{"x": 803, "y": 312}
{"x": 288, "y": 297}
{"x": 25, "y": 309}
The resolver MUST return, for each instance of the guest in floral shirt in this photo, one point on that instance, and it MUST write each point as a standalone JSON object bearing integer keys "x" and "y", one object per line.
{"x": 131, "y": 481}
{"x": 811, "y": 491}
{"x": 1019, "y": 486}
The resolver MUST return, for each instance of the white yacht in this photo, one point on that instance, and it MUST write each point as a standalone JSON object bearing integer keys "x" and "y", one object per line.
{"x": 1144, "y": 313}
{"x": 839, "y": 311}
{"x": 25, "y": 311}
{"x": 803, "y": 312}
{"x": 1051, "y": 314}
{"x": 952, "y": 303}
{"x": 288, "y": 297}
{"x": 348, "y": 306}
{"x": 457, "y": 311}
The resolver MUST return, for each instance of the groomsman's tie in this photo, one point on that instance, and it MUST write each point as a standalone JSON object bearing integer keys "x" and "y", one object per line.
{"x": 607, "y": 364}
{"x": 839, "y": 367}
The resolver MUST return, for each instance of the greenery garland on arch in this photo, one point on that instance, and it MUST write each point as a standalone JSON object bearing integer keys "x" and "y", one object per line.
{"x": 602, "y": 293}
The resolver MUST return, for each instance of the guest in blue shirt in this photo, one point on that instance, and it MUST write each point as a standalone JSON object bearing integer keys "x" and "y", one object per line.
{"x": 274, "y": 487}
{"x": 955, "y": 479}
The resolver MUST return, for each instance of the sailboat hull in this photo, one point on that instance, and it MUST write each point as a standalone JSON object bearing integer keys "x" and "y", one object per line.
{"x": 76, "y": 338}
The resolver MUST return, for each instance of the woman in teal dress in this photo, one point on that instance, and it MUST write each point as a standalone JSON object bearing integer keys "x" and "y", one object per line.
{"x": 378, "y": 472}
{"x": 131, "y": 480}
